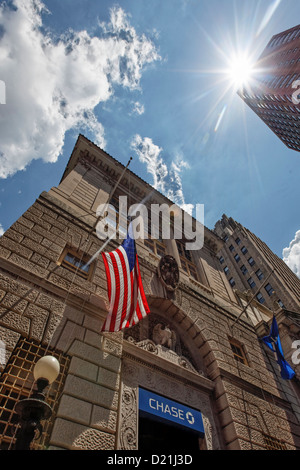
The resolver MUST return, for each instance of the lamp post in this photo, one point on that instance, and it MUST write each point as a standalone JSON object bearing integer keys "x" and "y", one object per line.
{"x": 34, "y": 409}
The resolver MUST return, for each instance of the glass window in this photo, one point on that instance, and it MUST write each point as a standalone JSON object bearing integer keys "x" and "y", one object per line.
{"x": 259, "y": 274}
{"x": 244, "y": 269}
{"x": 251, "y": 282}
{"x": 269, "y": 289}
{"x": 244, "y": 250}
{"x": 238, "y": 241}
{"x": 251, "y": 261}
{"x": 226, "y": 270}
{"x": 186, "y": 259}
{"x": 232, "y": 282}
{"x": 231, "y": 248}
{"x": 238, "y": 352}
{"x": 77, "y": 263}
{"x": 237, "y": 258}
{"x": 221, "y": 259}
{"x": 260, "y": 298}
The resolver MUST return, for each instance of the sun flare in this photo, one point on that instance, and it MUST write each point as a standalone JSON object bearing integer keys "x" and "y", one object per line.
{"x": 240, "y": 71}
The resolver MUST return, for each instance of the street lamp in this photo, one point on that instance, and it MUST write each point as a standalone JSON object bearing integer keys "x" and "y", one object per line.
{"x": 34, "y": 409}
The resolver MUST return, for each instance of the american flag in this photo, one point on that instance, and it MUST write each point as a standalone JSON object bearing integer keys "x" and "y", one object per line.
{"x": 127, "y": 299}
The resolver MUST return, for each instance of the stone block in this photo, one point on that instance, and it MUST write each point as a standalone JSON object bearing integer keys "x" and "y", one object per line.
{"x": 75, "y": 410}
{"x": 101, "y": 358}
{"x": 83, "y": 369}
{"x": 104, "y": 419}
{"x": 70, "y": 435}
{"x": 91, "y": 392}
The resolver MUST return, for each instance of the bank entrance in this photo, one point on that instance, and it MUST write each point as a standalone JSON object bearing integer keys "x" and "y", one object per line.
{"x": 163, "y": 437}
{"x": 167, "y": 425}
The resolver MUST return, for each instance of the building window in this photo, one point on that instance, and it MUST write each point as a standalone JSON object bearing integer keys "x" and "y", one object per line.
{"x": 226, "y": 270}
{"x": 251, "y": 282}
{"x": 231, "y": 248}
{"x": 251, "y": 261}
{"x": 259, "y": 274}
{"x": 244, "y": 250}
{"x": 269, "y": 289}
{"x": 272, "y": 443}
{"x": 186, "y": 259}
{"x": 225, "y": 238}
{"x": 232, "y": 282}
{"x": 238, "y": 241}
{"x": 16, "y": 384}
{"x": 260, "y": 298}
{"x": 280, "y": 303}
{"x": 77, "y": 263}
{"x": 237, "y": 258}
{"x": 221, "y": 259}
{"x": 244, "y": 269}
{"x": 238, "y": 351}
{"x": 156, "y": 246}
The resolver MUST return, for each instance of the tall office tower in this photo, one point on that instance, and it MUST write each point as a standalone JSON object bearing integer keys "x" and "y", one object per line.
{"x": 273, "y": 92}
{"x": 193, "y": 374}
{"x": 250, "y": 265}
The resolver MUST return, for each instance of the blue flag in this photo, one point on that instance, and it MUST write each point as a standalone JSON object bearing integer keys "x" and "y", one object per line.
{"x": 273, "y": 342}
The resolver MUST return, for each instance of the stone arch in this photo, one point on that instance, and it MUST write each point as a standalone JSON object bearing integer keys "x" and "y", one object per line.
{"x": 153, "y": 366}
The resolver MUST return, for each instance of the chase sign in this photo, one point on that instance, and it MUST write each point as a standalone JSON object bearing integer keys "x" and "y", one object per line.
{"x": 165, "y": 409}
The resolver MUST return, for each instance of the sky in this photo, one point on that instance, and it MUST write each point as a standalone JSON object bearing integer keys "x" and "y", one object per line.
{"x": 148, "y": 80}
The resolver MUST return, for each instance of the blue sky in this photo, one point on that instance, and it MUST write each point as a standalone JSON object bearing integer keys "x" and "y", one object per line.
{"x": 147, "y": 80}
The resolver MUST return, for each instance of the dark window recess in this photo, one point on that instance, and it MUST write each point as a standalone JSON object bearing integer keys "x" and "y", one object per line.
{"x": 251, "y": 282}
{"x": 259, "y": 274}
{"x": 244, "y": 250}
{"x": 232, "y": 282}
{"x": 269, "y": 289}
{"x": 231, "y": 248}
{"x": 251, "y": 261}
{"x": 244, "y": 269}
{"x": 226, "y": 270}
{"x": 76, "y": 264}
{"x": 237, "y": 258}
{"x": 238, "y": 352}
{"x": 260, "y": 298}
{"x": 238, "y": 241}
{"x": 221, "y": 259}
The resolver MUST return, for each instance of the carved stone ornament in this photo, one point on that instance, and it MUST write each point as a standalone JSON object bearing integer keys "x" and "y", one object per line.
{"x": 168, "y": 272}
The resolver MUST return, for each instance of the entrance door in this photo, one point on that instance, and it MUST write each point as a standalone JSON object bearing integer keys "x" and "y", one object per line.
{"x": 161, "y": 436}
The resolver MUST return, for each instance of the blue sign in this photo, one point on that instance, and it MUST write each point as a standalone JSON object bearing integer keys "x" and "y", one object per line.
{"x": 169, "y": 410}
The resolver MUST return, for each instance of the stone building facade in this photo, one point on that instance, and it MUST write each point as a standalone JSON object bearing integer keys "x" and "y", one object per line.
{"x": 189, "y": 349}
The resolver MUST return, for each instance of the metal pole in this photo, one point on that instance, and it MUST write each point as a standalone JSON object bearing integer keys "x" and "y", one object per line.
{"x": 254, "y": 295}
{"x": 112, "y": 193}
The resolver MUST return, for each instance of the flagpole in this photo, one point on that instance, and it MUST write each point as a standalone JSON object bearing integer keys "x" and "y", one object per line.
{"x": 252, "y": 298}
{"x": 112, "y": 193}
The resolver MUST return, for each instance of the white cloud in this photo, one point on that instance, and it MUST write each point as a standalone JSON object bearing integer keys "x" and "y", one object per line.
{"x": 291, "y": 254}
{"x": 1, "y": 230}
{"x": 167, "y": 181}
{"x": 138, "y": 108}
{"x": 54, "y": 84}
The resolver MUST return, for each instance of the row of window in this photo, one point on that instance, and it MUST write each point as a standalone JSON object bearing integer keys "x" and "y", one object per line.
{"x": 259, "y": 274}
{"x": 282, "y": 81}
{"x": 277, "y": 107}
{"x": 284, "y": 38}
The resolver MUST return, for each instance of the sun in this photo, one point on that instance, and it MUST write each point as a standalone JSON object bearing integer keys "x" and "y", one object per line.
{"x": 240, "y": 71}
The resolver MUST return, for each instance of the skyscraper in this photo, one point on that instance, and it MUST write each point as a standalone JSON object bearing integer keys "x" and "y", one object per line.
{"x": 250, "y": 265}
{"x": 274, "y": 91}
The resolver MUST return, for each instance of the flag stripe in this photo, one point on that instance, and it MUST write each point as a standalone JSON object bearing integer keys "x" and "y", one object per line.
{"x": 128, "y": 302}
